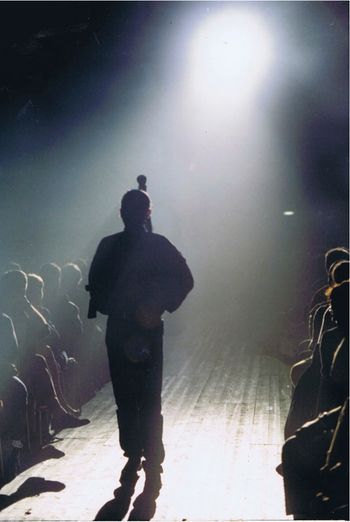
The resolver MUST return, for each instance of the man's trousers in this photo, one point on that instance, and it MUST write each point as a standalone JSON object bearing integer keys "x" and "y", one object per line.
{"x": 137, "y": 389}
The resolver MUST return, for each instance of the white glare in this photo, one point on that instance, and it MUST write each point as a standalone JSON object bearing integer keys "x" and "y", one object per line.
{"x": 288, "y": 213}
{"x": 230, "y": 55}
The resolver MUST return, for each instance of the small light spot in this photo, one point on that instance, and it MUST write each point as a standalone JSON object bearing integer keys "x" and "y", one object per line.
{"x": 288, "y": 213}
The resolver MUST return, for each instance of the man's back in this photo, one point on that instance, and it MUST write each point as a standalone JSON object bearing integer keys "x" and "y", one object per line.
{"x": 130, "y": 270}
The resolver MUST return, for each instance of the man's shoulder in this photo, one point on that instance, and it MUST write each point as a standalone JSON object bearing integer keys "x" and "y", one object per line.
{"x": 108, "y": 242}
{"x": 158, "y": 241}
{"x": 157, "y": 238}
{"x": 111, "y": 239}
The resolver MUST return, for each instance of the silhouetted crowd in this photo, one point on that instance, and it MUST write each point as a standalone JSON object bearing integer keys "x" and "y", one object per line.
{"x": 52, "y": 359}
{"x": 315, "y": 455}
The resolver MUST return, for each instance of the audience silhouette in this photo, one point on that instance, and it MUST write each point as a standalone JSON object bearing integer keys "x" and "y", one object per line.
{"x": 315, "y": 457}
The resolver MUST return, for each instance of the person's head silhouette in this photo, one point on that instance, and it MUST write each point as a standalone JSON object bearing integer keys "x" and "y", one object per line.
{"x": 334, "y": 255}
{"x": 13, "y": 286}
{"x": 51, "y": 274}
{"x": 135, "y": 209}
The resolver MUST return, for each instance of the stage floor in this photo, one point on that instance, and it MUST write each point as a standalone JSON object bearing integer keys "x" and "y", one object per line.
{"x": 224, "y": 409}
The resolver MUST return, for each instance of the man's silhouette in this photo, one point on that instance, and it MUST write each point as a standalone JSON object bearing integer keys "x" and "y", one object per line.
{"x": 136, "y": 276}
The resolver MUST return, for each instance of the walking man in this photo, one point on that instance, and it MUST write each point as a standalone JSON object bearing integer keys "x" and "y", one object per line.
{"x": 135, "y": 276}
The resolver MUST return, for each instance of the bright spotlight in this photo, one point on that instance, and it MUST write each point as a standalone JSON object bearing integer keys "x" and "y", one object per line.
{"x": 230, "y": 55}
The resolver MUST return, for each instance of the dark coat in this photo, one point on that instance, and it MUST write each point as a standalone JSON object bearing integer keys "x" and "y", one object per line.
{"x": 129, "y": 270}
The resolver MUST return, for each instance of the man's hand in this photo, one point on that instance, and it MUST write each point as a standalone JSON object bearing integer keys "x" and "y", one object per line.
{"x": 149, "y": 316}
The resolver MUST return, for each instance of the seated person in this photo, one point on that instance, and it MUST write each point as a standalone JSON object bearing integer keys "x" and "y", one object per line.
{"x": 303, "y": 455}
{"x": 55, "y": 358}
{"x": 13, "y": 397}
{"x": 308, "y": 375}
{"x": 65, "y": 314}
{"x": 334, "y": 352}
{"x": 66, "y": 318}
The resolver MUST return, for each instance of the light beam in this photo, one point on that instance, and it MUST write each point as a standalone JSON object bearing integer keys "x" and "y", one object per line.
{"x": 230, "y": 55}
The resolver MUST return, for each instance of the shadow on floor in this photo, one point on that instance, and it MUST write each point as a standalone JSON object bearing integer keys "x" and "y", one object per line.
{"x": 45, "y": 453}
{"x": 31, "y": 487}
{"x": 16, "y": 463}
{"x": 117, "y": 508}
{"x": 144, "y": 506}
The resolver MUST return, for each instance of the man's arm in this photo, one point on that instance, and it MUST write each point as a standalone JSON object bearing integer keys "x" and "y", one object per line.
{"x": 169, "y": 286}
{"x": 180, "y": 281}
{"x": 95, "y": 277}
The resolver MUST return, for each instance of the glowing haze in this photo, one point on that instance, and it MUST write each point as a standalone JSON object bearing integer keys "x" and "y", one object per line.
{"x": 230, "y": 55}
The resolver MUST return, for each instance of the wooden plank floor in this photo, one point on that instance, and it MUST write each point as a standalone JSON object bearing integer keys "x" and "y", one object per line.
{"x": 224, "y": 409}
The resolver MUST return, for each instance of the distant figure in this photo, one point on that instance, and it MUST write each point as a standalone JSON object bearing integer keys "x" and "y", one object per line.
{"x": 136, "y": 276}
